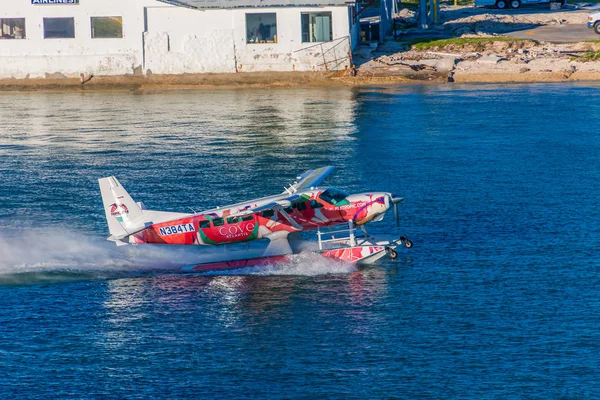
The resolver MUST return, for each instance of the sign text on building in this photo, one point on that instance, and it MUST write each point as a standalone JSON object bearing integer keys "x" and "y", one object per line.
{"x": 54, "y": 1}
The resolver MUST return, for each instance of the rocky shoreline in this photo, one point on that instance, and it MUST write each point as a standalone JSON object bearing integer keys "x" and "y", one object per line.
{"x": 493, "y": 60}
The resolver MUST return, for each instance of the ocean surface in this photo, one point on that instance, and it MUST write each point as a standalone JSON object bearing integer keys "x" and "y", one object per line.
{"x": 498, "y": 298}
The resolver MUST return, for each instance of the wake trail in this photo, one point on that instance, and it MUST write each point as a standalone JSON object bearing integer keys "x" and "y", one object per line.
{"x": 56, "y": 249}
{"x": 57, "y": 252}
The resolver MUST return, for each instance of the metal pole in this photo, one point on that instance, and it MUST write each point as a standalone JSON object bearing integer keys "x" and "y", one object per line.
{"x": 352, "y": 237}
{"x": 319, "y": 238}
{"x": 423, "y": 14}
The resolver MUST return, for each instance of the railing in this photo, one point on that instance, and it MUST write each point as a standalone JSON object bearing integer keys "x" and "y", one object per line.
{"x": 350, "y": 236}
{"x": 335, "y": 61}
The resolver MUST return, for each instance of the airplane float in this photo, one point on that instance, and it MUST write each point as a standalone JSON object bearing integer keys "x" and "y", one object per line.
{"x": 263, "y": 230}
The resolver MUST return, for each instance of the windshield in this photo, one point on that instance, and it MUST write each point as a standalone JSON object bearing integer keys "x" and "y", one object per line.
{"x": 335, "y": 197}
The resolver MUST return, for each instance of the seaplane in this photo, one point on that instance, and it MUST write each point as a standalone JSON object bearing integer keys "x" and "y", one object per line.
{"x": 264, "y": 230}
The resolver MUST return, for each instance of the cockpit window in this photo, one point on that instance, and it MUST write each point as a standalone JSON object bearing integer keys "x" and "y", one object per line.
{"x": 335, "y": 197}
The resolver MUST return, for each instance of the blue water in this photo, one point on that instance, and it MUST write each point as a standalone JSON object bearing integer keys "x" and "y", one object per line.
{"x": 497, "y": 299}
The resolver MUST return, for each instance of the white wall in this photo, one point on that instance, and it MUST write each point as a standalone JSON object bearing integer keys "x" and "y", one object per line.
{"x": 178, "y": 40}
{"x": 215, "y": 41}
{"x": 36, "y": 56}
{"x": 289, "y": 53}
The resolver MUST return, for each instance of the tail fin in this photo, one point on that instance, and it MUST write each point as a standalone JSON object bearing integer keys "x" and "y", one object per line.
{"x": 123, "y": 215}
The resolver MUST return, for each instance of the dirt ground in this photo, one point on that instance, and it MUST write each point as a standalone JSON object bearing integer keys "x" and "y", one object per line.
{"x": 149, "y": 82}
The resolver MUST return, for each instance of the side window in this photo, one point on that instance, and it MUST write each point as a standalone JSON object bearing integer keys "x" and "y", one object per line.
{"x": 261, "y": 28}
{"x": 59, "y": 28}
{"x": 204, "y": 224}
{"x": 107, "y": 27}
{"x": 315, "y": 204}
{"x": 12, "y": 28}
{"x": 218, "y": 221}
{"x": 234, "y": 220}
{"x": 316, "y": 27}
{"x": 301, "y": 206}
{"x": 268, "y": 213}
{"x": 288, "y": 209}
{"x": 248, "y": 217}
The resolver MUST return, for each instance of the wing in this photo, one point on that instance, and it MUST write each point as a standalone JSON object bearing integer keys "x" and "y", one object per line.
{"x": 278, "y": 205}
{"x": 311, "y": 178}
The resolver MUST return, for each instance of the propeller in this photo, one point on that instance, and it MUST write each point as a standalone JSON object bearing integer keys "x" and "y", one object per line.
{"x": 395, "y": 200}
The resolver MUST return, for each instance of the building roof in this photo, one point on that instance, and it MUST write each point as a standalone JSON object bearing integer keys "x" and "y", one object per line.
{"x": 200, "y": 4}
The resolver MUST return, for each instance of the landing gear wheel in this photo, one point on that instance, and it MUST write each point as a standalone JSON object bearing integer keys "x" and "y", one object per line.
{"x": 597, "y": 28}
{"x": 501, "y": 4}
{"x": 407, "y": 243}
{"x": 392, "y": 253}
{"x": 514, "y": 4}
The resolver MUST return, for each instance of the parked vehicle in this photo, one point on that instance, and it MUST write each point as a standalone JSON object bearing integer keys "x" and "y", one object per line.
{"x": 503, "y": 4}
{"x": 594, "y": 22}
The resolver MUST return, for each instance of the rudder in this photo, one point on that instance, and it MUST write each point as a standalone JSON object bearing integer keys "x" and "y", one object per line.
{"x": 123, "y": 215}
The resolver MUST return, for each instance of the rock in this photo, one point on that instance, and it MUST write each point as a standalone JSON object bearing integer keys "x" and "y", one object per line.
{"x": 491, "y": 59}
{"x": 137, "y": 70}
{"x": 451, "y": 77}
{"x": 56, "y": 75}
{"x": 570, "y": 71}
{"x": 442, "y": 65}
{"x": 524, "y": 69}
{"x": 466, "y": 65}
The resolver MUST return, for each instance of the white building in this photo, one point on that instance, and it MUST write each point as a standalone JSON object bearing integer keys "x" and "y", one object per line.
{"x": 109, "y": 37}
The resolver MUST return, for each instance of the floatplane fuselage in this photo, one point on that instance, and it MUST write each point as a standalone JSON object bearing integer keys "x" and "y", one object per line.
{"x": 302, "y": 206}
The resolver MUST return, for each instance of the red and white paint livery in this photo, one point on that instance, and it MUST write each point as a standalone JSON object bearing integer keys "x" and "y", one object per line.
{"x": 256, "y": 229}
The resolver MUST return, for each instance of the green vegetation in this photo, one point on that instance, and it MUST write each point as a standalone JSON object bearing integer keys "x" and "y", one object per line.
{"x": 424, "y": 44}
{"x": 588, "y": 56}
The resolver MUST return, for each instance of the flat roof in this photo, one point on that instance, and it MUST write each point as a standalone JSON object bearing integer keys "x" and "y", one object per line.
{"x": 200, "y": 4}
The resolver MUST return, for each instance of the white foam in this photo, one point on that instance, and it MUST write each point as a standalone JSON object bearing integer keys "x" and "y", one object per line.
{"x": 55, "y": 249}
{"x": 58, "y": 250}
{"x": 303, "y": 264}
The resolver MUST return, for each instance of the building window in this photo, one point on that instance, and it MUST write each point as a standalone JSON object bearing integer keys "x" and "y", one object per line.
{"x": 12, "y": 28}
{"x": 316, "y": 27}
{"x": 59, "y": 28}
{"x": 261, "y": 28}
{"x": 107, "y": 27}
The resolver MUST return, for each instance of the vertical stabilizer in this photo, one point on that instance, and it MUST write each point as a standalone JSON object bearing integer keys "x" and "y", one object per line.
{"x": 124, "y": 216}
